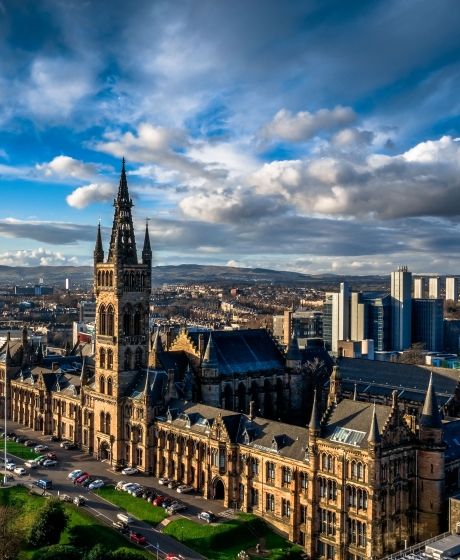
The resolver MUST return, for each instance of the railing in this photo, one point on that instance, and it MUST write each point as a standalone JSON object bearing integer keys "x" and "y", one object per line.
{"x": 419, "y": 547}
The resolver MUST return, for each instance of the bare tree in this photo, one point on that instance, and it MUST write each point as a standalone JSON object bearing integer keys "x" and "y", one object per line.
{"x": 11, "y": 534}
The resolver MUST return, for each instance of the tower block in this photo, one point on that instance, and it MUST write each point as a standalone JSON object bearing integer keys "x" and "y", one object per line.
{"x": 122, "y": 287}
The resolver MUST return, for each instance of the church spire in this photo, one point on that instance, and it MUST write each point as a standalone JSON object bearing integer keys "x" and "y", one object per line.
{"x": 123, "y": 241}
{"x": 98, "y": 249}
{"x": 314, "y": 427}
{"x": 374, "y": 434}
{"x": 147, "y": 251}
{"x": 430, "y": 414}
{"x": 210, "y": 357}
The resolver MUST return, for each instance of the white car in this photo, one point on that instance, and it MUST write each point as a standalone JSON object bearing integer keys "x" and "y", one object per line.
{"x": 120, "y": 485}
{"x": 74, "y": 474}
{"x": 127, "y": 486}
{"x": 130, "y": 470}
{"x": 31, "y": 464}
{"x": 164, "y": 480}
{"x": 184, "y": 488}
{"x": 96, "y": 484}
{"x": 10, "y": 466}
{"x": 40, "y": 448}
{"x": 21, "y": 471}
{"x": 133, "y": 488}
{"x": 49, "y": 463}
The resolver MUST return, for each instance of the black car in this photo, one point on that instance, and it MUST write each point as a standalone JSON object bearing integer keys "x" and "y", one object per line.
{"x": 70, "y": 445}
{"x": 166, "y": 503}
{"x": 20, "y": 439}
{"x": 10, "y": 434}
{"x": 54, "y": 438}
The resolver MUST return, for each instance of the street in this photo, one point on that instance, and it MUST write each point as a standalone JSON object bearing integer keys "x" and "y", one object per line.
{"x": 158, "y": 544}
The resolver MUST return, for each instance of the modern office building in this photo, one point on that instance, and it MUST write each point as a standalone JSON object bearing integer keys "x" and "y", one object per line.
{"x": 452, "y": 288}
{"x": 370, "y": 314}
{"x": 427, "y": 323}
{"x": 434, "y": 287}
{"x": 401, "y": 308}
{"x": 336, "y": 318}
{"x": 420, "y": 291}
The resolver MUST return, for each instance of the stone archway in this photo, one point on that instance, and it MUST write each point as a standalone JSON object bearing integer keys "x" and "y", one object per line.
{"x": 104, "y": 451}
{"x": 218, "y": 489}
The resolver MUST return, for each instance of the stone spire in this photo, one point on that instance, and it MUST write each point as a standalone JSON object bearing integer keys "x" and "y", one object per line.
{"x": 123, "y": 241}
{"x": 314, "y": 427}
{"x": 374, "y": 434}
{"x": 98, "y": 249}
{"x": 147, "y": 250}
{"x": 335, "y": 386}
{"x": 210, "y": 355}
{"x": 156, "y": 348}
{"x": 430, "y": 414}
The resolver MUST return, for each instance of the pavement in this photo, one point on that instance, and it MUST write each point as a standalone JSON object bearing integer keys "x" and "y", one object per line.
{"x": 158, "y": 544}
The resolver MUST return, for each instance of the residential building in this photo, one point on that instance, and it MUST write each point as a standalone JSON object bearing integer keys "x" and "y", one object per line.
{"x": 452, "y": 288}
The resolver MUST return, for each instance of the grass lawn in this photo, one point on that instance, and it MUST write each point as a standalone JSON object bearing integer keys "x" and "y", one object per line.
{"x": 19, "y": 450}
{"x": 89, "y": 531}
{"x": 137, "y": 507}
{"x": 226, "y": 539}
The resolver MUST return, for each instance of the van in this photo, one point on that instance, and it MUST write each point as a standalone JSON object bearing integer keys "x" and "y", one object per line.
{"x": 44, "y": 483}
{"x": 124, "y": 518}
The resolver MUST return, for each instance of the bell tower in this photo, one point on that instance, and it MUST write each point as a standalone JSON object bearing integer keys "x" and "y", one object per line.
{"x": 122, "y": 289}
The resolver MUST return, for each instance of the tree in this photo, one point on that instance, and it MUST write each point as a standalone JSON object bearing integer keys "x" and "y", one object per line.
{"x": 127, "y": 554}
{"x": 57, "y": 552}
{"x": 10, "y": 533}
{"x": 49, "y": 524}
{"x": 98, "y": 552}
{"x": 415, "y": 354}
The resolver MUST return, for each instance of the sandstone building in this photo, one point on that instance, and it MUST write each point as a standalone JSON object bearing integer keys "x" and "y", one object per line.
{"x": 357, "y": 481}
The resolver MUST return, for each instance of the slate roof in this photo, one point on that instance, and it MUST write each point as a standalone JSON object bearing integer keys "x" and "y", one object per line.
{"x": 246, "y": 350}
{"x": 156, "y": 386}
{"x": 356, "y": 416}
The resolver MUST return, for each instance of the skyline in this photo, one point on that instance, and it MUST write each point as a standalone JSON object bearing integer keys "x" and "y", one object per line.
{"x": 313, "y": 137}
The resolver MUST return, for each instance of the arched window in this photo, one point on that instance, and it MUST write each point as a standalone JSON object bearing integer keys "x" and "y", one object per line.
{"x": 127, "y": 364}
{"x": 137, "y": 321}
{"x": 110, "y": 278}
{"x": 102, "y": 384}
{"x": 102, "y": 421}
{"x": 109, "y": 359}
{"x": 102, "y": 357}
{"x": 127, "y": 316}
{"x": 99, "y": 278}
{"x": 128, "y": 431}
{"x": 110, "y": 325}
{"x": 102, "y": 320}
{"x": 107, "y": 423}
{"x": 109, "y": 386}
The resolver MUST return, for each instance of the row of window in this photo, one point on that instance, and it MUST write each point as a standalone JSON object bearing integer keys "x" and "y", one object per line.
{"x": 104, "y": 422}
{"x": 356, "y": 530}
{"x": 131, "y": 360}
{"x": 286, "y": 475}
{"x": 355, "y": 469}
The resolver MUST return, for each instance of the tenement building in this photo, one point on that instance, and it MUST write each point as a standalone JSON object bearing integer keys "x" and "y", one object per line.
{"x": 354, "y": 480}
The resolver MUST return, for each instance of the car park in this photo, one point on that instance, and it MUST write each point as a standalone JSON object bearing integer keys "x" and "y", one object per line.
{"x": 137, "y": 538}
{"x": 207, "y": 516}
{"x": 75, "y": 474}
{"x": 96, "y": 484}
{"x": 175, "y": 507}
{"x": 164, "y": 481}
{"x": 184, "y": 489}
{"x": 10, "y": 466}
{"x": 40, "y": 448}
{"x": 81, "y": 478}
{"x": 49, "y": 463}
{"x": 159, "y": 500}
{"x": 21, "y": 471}
{"x": 130, "y": 470}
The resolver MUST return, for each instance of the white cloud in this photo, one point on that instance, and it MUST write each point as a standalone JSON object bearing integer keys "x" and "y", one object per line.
{"x": 89, "y": 194}
{"x": 65, "y": 166}
{"x": 36, "y": 257}
{"x": 304, "y": 125}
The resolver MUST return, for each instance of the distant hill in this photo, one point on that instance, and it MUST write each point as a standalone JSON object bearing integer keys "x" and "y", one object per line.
{"x": 185, "y": 274}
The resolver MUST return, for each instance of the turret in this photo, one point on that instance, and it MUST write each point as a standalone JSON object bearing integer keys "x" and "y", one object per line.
{"x": 374, "y": 433}
{"x": 430, "y": 421}
{"x": 155, "y": 350}
{"x": 314, "y": 427}
{"x": 210, "y": 355}
{"x": 335, "y": 389}
{"x": 147, "y": 250}
{"x": 210, "y": 383}
{"x": 98, "y": 248}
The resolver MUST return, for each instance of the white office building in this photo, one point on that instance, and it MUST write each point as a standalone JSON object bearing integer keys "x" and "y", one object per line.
{"x": 401, "y": 303}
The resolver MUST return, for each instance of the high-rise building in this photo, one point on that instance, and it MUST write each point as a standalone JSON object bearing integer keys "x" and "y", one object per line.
{"x": 420, "y": 287}
{"x": 401, "y": 308}
{"x": 370, "y": 314}
{"x": 434, "y": 287}
{"x": 452, "y": 288}
{"x": 427, "y": 323}
{"x": 336, "y": 319}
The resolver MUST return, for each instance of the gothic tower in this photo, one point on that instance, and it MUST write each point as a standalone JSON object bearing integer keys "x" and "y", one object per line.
{"x": 122, "y": 289}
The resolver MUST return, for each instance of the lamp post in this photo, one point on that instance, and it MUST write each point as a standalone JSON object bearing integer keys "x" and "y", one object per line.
{"x": 5, "y": 478}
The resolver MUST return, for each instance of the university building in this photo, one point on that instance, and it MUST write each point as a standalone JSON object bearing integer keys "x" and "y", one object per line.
{"x": 355, "y": 482}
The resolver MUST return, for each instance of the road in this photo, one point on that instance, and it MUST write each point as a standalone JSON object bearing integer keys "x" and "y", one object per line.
{"x": 105, "y": 511}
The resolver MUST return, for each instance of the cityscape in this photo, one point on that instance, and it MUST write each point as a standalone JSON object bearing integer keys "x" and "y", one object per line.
{"x": 229, "y": 280}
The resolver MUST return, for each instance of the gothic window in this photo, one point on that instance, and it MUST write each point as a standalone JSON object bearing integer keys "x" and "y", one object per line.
{"x": 107, "y": 423}
{"x": 110, "y": 321}
{"x": 270, "y": 472}
{"x": 287, "y": 476}
{"x": 109, "y": 386}
{"x": 102, "y": 384}
{"x": 327, "y": 462}
{"x": 214, "y": 457}
{"x": 127, "y": 314}
{"x": 137, "y": 321}
{"x": 270, "y": 502}
{"x": 110, "y": 278}
{"x": 285, "y": 508}
{"x": 102, "y": 421}
{"x": 254, "y": 499}
{"x": 303, "y": 481}
{"x": 138, "y": 358}
{"x": 356, "y": 532}
{"x": 102, "y": 320}
{"x": 255, "y": 467}
{"x": 127, "y": 364}
{"x": 222, "y": 458}
{"x": 328, "y": 519}
{"x": 102, "y": 357}
{"x": 85, "y": 418}
{"x": 99, "y": 278}
{"x": 303, "y": 514}
{"x": 109, "y": 359}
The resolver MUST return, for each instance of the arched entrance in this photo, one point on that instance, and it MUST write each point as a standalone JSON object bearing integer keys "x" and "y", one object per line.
{"x": 104, "y": 451}
{"x": 218, "y": 489}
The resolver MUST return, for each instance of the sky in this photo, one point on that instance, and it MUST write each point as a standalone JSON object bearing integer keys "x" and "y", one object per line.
{"x": 318, "y": 136}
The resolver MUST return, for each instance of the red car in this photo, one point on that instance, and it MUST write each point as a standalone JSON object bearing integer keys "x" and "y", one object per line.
{"x": 82, "y": 478}
{"x": 52, "y": 456}
{"x": 137, "y": 538}
{"x": 159, "y": 500}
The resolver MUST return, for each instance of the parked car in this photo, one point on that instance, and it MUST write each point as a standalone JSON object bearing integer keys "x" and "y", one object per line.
{"x": 21, "y": 471}
{"x": 173, "y": 484}
{"x": 10, "y": 434}
{"x": 51, "y": 455}
{"x": 164, "y": 481}
{"x": 49, "y": 463}
{"x": 184, "y": 489}
{"x": 79, "y": 500}
{"x": 159, "y": 500}
{"x": 30, "y": 443}
{"x": 81, "y": 478}
{"x": 19, "y": 439}
{"x": 65, "y": 498}
{"x": 137, "y": 538}
{"x": 167, "y": 502}
{"x": 31, "y": 464}
{"x": 10, "y": 466}
{"x": 128, "y": 486}
{"x": 120, "y": 526}
{"x": 207, "y": 516}
{"x": 40, "y": 461}
{"x": 74, "y": 474}
{"x": 120, "y": 484}
{"x": 64, "y": 443}
{"x": 175, "y": 507}
{"x": 133, "y": 488}
{"x": 54, "y": 438}
{"x": 130, "y": 470}
{"x": 40, "y": 448}
{"x": 70, "y": 445}
{"x": 44, "y": 483}
{"x": 138, "y": 493}
{"x": 96, "y": 484}
{"x": 88, "y": 481}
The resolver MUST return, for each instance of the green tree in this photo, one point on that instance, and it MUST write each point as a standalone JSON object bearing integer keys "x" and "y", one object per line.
{"x": 57, "y": 552}
{"x": 98, "y": 552}
{"x": 10, "y": 533}
{"x": 127, "y": 554}
{"x": 50, "y": 522}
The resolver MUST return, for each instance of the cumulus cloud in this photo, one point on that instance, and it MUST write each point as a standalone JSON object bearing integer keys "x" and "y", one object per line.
{"x": 36, "y": 257}
{"x": 89, "y": 194}
{"x": 65, "y": 166}
{"x": 304, "y": 125}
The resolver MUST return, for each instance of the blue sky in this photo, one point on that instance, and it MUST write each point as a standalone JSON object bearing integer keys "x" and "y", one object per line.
{"x": 316, "y": 136}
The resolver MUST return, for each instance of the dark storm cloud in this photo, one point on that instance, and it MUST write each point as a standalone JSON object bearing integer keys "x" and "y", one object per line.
{"x": 47, "y": 232}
